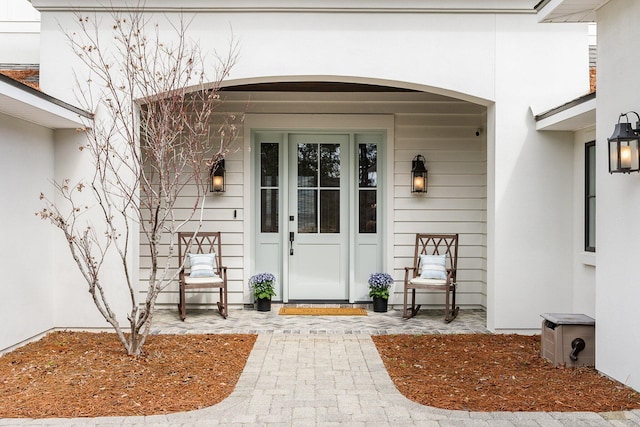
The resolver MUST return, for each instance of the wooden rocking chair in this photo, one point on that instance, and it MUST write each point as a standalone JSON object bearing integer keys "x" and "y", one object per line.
{"x": 435, "y": 263}
{"x": 205, "y": 267}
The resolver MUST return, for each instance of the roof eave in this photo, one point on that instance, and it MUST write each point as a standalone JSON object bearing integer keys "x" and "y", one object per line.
{"x": 568, "y": 11}
{"x": 26, "y": 103}
{"x": 305, "y": 6}
{"x": 575, "y": 115}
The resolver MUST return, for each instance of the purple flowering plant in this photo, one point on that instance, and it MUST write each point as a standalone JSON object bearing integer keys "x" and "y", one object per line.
{"x": 262, "y": 285}
{"x": 379, "y": 284}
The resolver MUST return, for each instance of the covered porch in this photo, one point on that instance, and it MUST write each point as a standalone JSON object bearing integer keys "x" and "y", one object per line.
{"x": 400, "y": 121}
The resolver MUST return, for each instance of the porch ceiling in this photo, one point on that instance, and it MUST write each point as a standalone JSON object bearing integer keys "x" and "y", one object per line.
{"x": 275, "y": 101}
{"x": 311, "y": 86}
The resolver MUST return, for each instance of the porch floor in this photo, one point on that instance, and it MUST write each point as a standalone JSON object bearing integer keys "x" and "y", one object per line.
{"x": 243, "y": 321}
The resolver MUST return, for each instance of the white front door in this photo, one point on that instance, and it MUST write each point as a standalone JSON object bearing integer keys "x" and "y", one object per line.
{"x": 318, "y": 216}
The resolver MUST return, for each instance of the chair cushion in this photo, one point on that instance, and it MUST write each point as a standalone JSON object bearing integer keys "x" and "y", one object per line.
{"x": 202, "y": 265}
{"x": 433, "y": 267}
{"x": 432, "y": 282}
{"x": 189, "y": 280}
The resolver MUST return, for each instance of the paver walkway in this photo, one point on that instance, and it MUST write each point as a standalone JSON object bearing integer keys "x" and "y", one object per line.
{"x": 326, "y": 371}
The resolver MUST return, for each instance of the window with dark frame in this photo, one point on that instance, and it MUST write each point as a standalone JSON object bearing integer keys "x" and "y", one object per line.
{"x": 590, "y": 196}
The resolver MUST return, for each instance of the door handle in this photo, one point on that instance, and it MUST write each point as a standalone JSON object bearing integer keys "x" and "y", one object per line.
{"x": 292, "y": 237}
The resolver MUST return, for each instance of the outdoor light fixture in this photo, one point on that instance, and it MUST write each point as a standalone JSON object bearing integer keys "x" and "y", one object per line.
{"x": 624, "y": 156}
{"x": 218, "y": 178}
{"x": 418, "y": 175}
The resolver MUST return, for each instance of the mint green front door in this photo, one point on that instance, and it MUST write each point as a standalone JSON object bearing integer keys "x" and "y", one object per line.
{"x": 318, "y": 216}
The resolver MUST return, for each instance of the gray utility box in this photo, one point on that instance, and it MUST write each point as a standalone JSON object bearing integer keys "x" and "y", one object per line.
{"x": 568, "y": 339}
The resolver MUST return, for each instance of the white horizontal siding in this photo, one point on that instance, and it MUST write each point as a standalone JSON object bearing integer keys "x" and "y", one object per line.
{"x": 218, "y": 215}
{"x": 455, "y": 201}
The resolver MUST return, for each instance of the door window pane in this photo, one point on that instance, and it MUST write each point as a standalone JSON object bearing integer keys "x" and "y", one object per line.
{"x": 269, "y": 210}
{"x": 367, "y": 211}
{"x": 367, "y": 165}
{"x": 330, "y": 165}
{"x": 318, "y": 188}
{"x": 307, "y": 165}
{"x": 367, "y": 187}
{"x": 269, "y": 192}
{"x": 329, "y": 211}
{"x": 307, "y": 211}
{"x": 269, "y": 164}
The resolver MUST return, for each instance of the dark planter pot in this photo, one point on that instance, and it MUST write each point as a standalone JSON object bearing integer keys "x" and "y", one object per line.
{"x": 380, "y": 304}
{"x": 263, "y": 304}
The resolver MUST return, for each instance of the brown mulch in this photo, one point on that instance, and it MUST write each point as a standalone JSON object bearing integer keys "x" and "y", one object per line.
{"x": 495, "y": 373}
{"x": 72, "y": 374}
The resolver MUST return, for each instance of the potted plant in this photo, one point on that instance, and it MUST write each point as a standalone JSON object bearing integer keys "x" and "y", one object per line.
{"x": 262, "y": 287}
{"x": 379, "y": 284}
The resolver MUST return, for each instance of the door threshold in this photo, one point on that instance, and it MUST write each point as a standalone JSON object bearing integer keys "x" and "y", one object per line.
{"x": 318, "y": 301}
{"x": 324, "y": 303}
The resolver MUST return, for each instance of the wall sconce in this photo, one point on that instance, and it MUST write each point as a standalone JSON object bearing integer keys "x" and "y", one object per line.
{"x": 418, "y": 175}
{"x": 218, "y": 178}
{"x": 624, "y": 156}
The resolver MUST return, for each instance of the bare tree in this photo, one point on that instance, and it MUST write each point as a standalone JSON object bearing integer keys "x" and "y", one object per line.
{"x": 150, "y": 138}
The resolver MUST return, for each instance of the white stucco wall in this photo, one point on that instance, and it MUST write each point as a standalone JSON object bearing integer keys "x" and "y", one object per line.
{"x": 529, "y": 260}
{"x": 19, "y": 32}
{"x": 507, "y": 62}
{"x": 451, "y": 53}
{"x": 618, "y": 228}
{"x": 27, "y": 285}
{"x": 73, "y": 302}
{"x": 584, "y": 264}
{"x": 418, "y": 48}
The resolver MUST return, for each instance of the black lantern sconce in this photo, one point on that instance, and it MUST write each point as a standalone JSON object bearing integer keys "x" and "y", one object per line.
{"x": 418, "y": 175}
{"x": 218, "y": 178}
{"x": 624, "y": 156}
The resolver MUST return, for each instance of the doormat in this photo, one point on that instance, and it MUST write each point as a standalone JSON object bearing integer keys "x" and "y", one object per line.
{"x": 306, "y": 311}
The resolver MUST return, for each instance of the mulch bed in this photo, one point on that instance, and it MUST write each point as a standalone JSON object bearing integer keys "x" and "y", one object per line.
{"x": 75, "y": 374}
{"x": 495, "y": 373}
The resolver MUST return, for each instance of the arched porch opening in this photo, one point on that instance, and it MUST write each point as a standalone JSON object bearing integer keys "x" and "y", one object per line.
{"x": 449, "y": 129}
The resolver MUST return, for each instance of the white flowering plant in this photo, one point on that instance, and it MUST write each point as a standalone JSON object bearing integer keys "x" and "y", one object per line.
{"x": 262, "y": 285}
{"x": 379, "y": 284}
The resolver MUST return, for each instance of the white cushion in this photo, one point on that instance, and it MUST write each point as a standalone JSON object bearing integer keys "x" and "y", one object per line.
{"x": 432, "y": 282}
{"x": 433, "y": 267}
{"x": 202, "y": 280}
{"x": 202, "y": 265}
